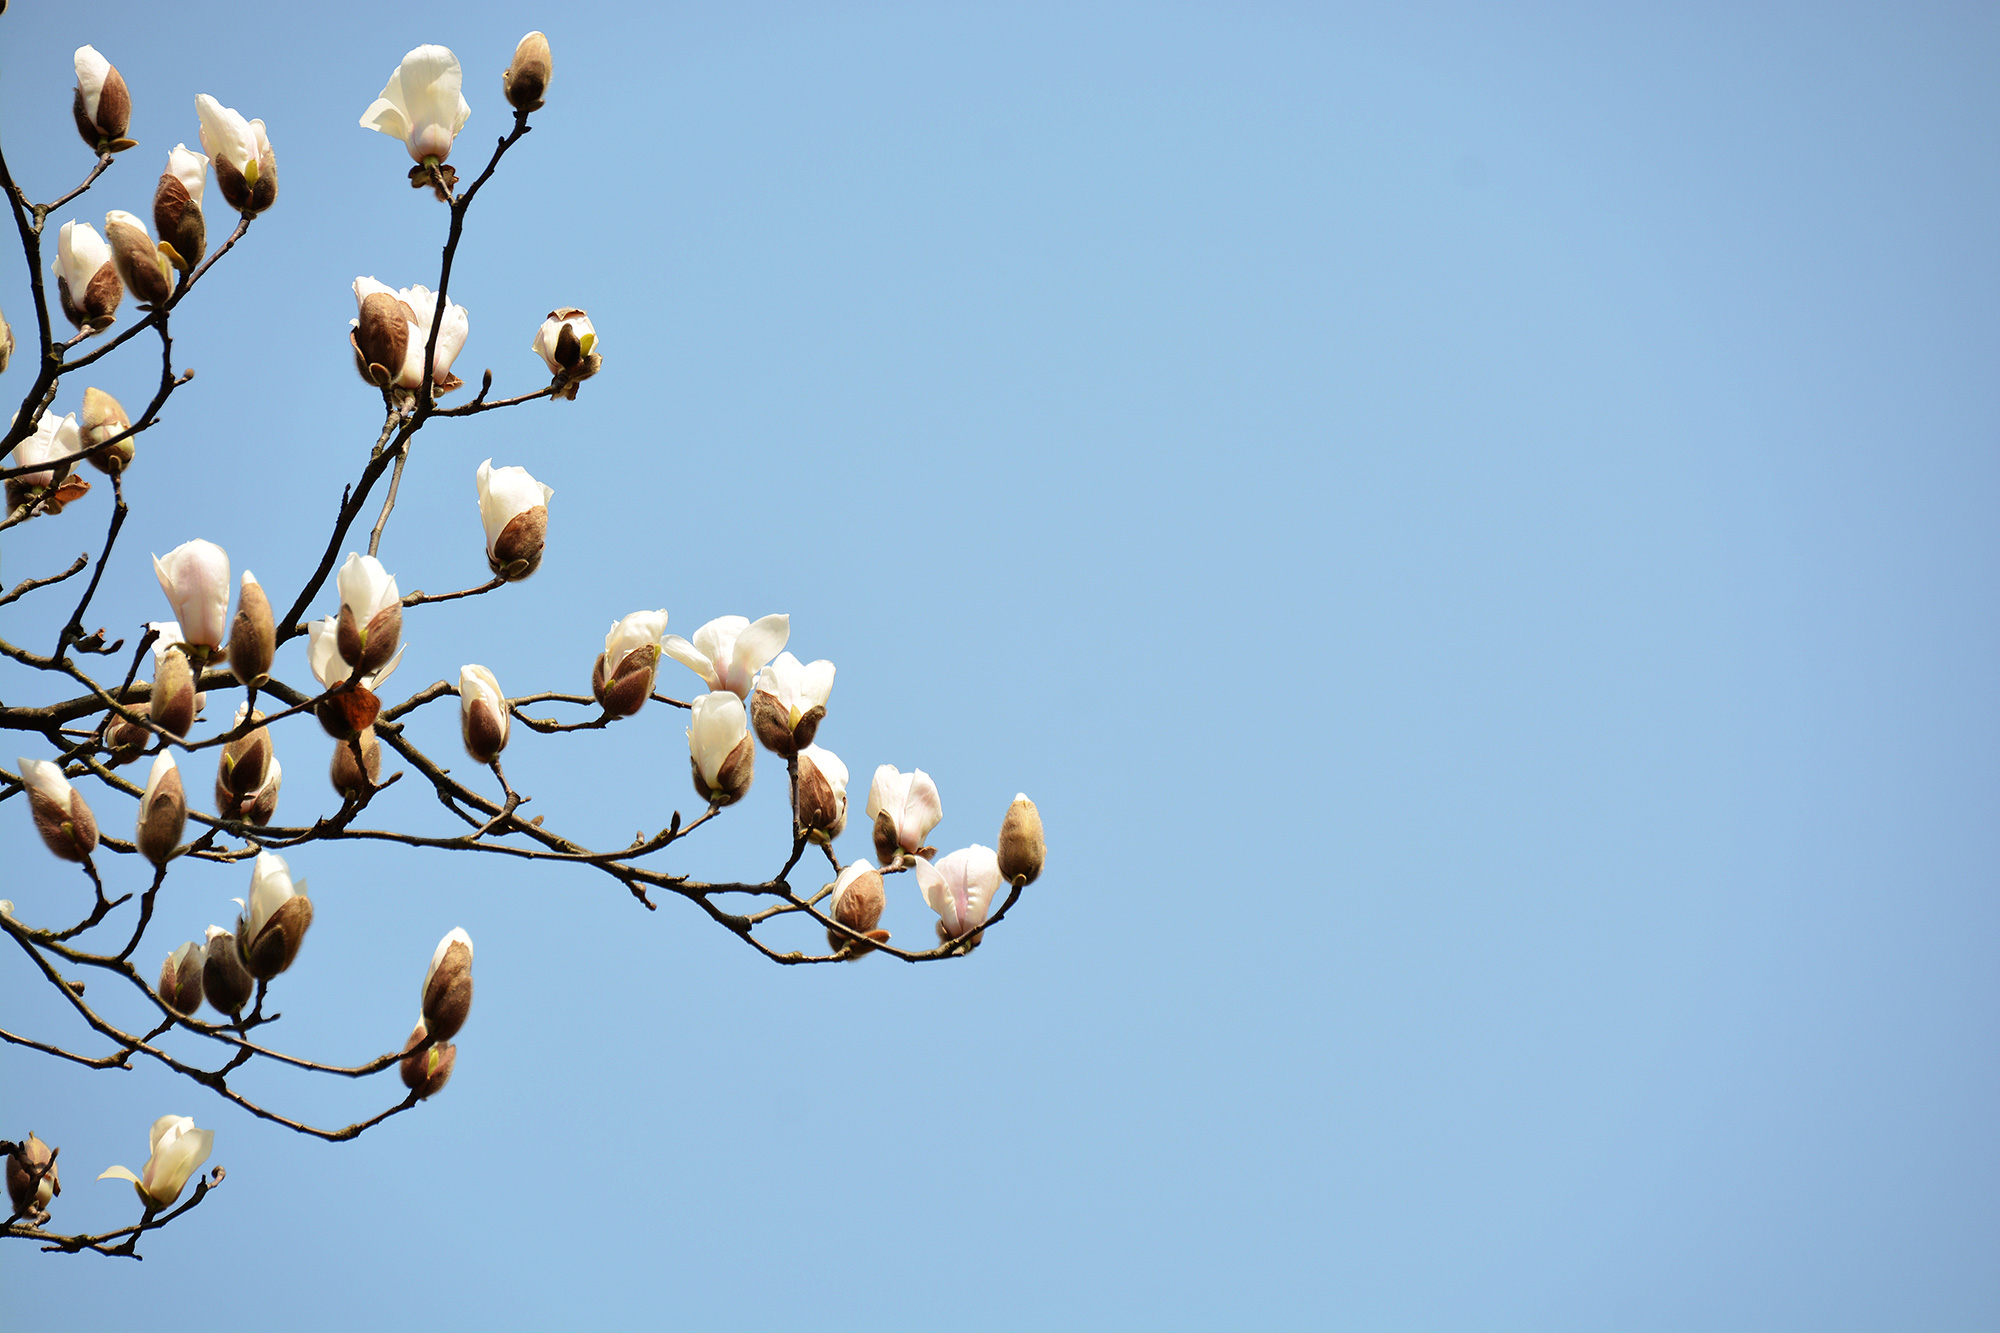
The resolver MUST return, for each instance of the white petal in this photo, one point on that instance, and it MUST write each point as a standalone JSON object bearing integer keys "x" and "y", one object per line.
{"x": 691, "y": 657}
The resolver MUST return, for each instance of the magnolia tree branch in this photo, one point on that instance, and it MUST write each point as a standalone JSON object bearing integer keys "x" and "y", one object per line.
{"x": 403, "y": 345}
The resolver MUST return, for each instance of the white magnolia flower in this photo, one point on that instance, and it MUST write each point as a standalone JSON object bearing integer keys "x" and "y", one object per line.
{"x": 102, "y": 100}
{"x": 366, "y": 588}
{"x": 507, "y": 494}
{"x": 145, "y": 271}
{"x": 329, "y": 667}
{"x": 728, "y": 652}
{"x": 418, "y": 309}
{"x": 54, "y": 437}
{"x": 561, "y": 354}
{"x": 271, "y": 887}
{"x": 960, "y": 888}
{"x": 719, "y": 744}
{"x": 195, "y": 578}
{"x": 912, "y": 808}
{"x": 641, "y": 629}
{"x": 179, "y": 1149}
{"x": 483, "y": 719}
{"x": 190, "y": 169}
{"x": 422, "y": 104}
{"x": 86, "y": 279}
{"x": 246, "y": 171}
{"x": 799, "y": 687}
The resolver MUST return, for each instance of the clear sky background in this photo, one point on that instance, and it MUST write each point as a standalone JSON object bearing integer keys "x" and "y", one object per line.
{"x": 1474, "y": 523}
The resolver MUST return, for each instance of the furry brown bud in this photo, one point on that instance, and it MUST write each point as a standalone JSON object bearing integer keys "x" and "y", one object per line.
{"x": 253, "y": 639}
{"x": 448, "y": 989}
{"x": 1021, "y": 848}
{"x": 173, "y": 702}
{"x": 426, "y": 1072}
{"x": 354, "y": 778}
{"x": 180, "y": 979}
{"x": 31, "y": 1179}
{"x": 224, "y": 979}
{"x": 103, "y": 104}
{"x": 526, "y": 79}
{"x": 245, "y": 761}
{"x": 103, "y": 419}
{"x": 382, "y": 339}
{"x": 162, "y": 812}
{"x": 624, "y": 691}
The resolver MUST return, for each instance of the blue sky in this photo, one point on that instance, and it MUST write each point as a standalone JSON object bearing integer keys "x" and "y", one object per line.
{"x": 1473, "y": 523}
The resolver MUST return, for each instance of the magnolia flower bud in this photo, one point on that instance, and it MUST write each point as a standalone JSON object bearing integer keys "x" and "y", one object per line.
{"x": 172, "y": 706}
{"x": 180, "y": 979}
{"x": 426, "y": 1072}
{"x": 163, "y": 817}
{"x": 447, "y": 990}
{"x": 253, "y": 639}
{"x": 61, "y": 817}
{"x": 353, "y": 779}
{"x": 31, "y": 1179}
{"x": 245, "y": 761}
{"x": 960, "y": 890}
{"x": 257, "y": 806}
{"x": 177, "y": 214}
{"x": 104, "y": 418}
{"x": 904, "y": 808}
{"x": 393, "y": 328}
{"x": 6, "y": 344}
{"x": 371, "y": 613}
{"x": 719, "y": 748}
{"x": 86, "y": 280}
{"x": 1021, "y": 848}
{"x": 246, "y": 171}
{"x": 822, "y": 794}
{"x": 55, "y": 437}
{"x": 103, "y": 104}
{"x": 146, "y": 273}
{"x": 125, "y": 740}
{"x": 195, "y": 578}
{"x": 858, "y": 899}
{"x": 324, "y": 657}
{"x": 567, "y": 344}
{"x": 483, "y": 719}
{"x": 729, "y": 651}
{"x": 788, "y": 701}
{"x": 514, "y": 509}
{"x": 224, "y": 979}
{"x": 275, "y": 922}
{"x": 623, "y": 676}
{"x": 526, "y": 79}
{"x": 179, "y": 1149}
{"x": 422, "y": 104}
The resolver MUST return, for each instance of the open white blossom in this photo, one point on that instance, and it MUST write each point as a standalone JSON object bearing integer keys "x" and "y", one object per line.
{"x": 418, "y": 308}
{"x": 911, "y": 805}
{"x": 195, "y": 578}
{"x": 54, "y": 437}
{"x": 729, "y": 651}
{"x": 422, "y": 104}
{"x": 799, "y": 687}
{"x": 246, "y": 170}
{"x": 960, "y": 888}
{"x": 179, "y": 1149}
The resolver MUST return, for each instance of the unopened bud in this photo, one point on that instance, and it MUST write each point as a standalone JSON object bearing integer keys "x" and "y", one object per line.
{"x": 567, "y": 344}
{"x": 180, "y": 979}
{"x": 624, "y": 690}
{"x": 31, "y": 1179}
{"x": 245, "y": 761}
{"x": 354, "y": 778}
{"x": 177, "y": 215}
{"x": 447, "y": 993}
{"x": 822, "y": 794}
{"x": 858, "y": 898}
{"x": 162, "y": 812}
{"x": 348, "y": 711}
{"x": 274, "y": 924}
{"x": 125, "y": 740}
{"x": 369, "y": 648}
{"x": 224, "y": 979}
{"x": 103, "y": 105}
{"x": 252, "y": 637}
{"x": 172, "y": 705}
{"x": 483, "y": 718}
{"x": 381, "y": 339}
{"x": 1021, "y": 849}
{"x": 146, "y": 272}
{"x": 67, "y": 827}
{"x": 526, "y": 78}
{"x": 426, "y": 1072}
{"x": 6, "y": 344}
{"x": 104, "y": 418}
